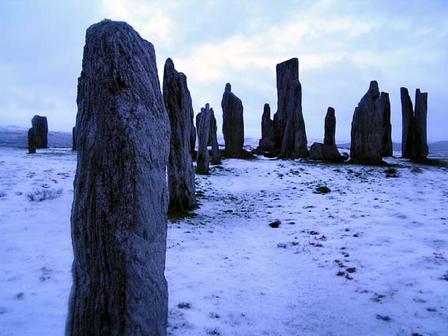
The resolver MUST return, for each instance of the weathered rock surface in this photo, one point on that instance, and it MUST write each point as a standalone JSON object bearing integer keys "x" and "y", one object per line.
{"x": 421, "y": 109}
{"x": 120, "y": 190}
{"x": 266, "y": 143}
{"x": 40, "y": 127}
{"x": 294, "y": 142}
{"x": 330, "y": 127}
{"x": 368, "y": 128}
{"x": 324, "y": 152}
{"x": 203, "y": 129}
{"x": 387, "y": 126}
{"x": 74, "y": 138}
{"x": 233, "y": 124}
{"x": 286, "y": 72}
{"x": 289, "y": 127}
{"x": 408, "y": 124}
{"x": 193, "y": 138}
{"x": 31, "y": 141}
{"x": 213, "y": 140}
{"x": 181, "y": 186}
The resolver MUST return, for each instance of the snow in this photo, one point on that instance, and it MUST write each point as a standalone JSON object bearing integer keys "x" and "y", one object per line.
{"x": 229, "y": 272}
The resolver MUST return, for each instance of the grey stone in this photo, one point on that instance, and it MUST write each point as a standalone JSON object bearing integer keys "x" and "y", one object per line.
{"x": 120, "y": 191}
{"x": 203, "y": 129}
{"x": 421, "y": 109}
{"x": 266, "y": 143}
{"x": 294, "y": 142}
{"x": 233, "y": 124}
{"x": 330, "y": 127}
{"x": 74, "y": 138}
{"x": 213, "y": 140}
{"x": 387, "y": 126}
{"x": 368, "y": 128}
{"x": 325, "y": 152}
{"x": 31, "y": 141}
{"x": 287, "y": 72}
{"x": 408, "y": 124}
{"x": 181, "y": 186}
{"x": 40, "y": 127}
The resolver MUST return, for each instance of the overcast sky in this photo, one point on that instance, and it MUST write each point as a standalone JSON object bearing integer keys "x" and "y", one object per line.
{"x": 341, "y": 46}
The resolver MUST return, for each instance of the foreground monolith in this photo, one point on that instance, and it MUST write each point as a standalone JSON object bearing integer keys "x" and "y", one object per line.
{"x": 266, "y": 143}
{"x": 31, "y": 142}
{"x": 40, "y": 127}
{"x": 120, "y": 192}
{"x": 180, "y": 164}
{"x": 421, "y": 109}
{"x": 233, "y": 124}
{"x": 368, "y": 128}
{"x": 203, "y": 130}
{"x": 408, "y": 124}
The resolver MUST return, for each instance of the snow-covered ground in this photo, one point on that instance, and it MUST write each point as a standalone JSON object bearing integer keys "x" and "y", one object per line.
{"x": 367, "y": 258}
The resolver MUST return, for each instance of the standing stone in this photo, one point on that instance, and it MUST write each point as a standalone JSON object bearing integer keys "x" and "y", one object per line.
{"x": 421, "y": 109}
{"x": 203, "y": 129}
{"x": 193, "y": 137}
{"x": 31, "y": 142}
{"x": 289, "y": 126}
{"x": 266, "y": 143}
{"x": 213, "y": 140}
{"x": 287, "y": 72}
{"x": 408, "y": 124}
{"x": 387, "y": 126}
{"x": 330, "y": 127}
{"x": 40, "y": 127}
{"x": 294, "y": 142}
{"x": 367, "y": 128}
{"x": 233, "y": 124}
{"x": 74, "y": 138}
{"x": 120, "y": 192}
{"x": 327, "y": 151}
{"x": 180, "y": 165}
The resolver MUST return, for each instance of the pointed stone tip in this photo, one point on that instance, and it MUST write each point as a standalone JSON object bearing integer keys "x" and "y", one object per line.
{"x": 374, "y": 88}
{"x": 207, "y": 106}
{"x": 228, "y": 88}
{"x": 169, "y": 64}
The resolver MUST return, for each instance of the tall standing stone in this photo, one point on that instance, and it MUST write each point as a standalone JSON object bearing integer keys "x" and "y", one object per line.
{"x": 180, "y": 165}
{"x": 368, "y": 128}
{"x": 40, "y": 127}
{"x": 408, "y": 124}
{"x": 289, "y": 126}
{"x": 213, "y": 140}
{"x": 387, "y": 126}
{"x": 330, "y": 127}
{"x": 294, "y": 142}
{"x": 287, "y": 72}
{"x": 266, "y": 143}
{"x": 203, "y": 129}
{"x": 120, "y": 192}
{"x": 421, "y": 109}
{"x": 233, "y": 124}
{"x": 31, "y": 142}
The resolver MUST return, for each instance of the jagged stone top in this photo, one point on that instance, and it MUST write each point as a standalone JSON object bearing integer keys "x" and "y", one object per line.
{"x": 228, "y": 88}
{"x": 374, "y": 89}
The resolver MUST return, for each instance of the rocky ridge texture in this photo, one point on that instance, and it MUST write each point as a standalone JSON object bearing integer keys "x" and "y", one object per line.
{"x": 120, "y": 192}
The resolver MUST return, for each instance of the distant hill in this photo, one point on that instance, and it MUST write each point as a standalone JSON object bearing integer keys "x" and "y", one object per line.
{"x": 13, "y": 136}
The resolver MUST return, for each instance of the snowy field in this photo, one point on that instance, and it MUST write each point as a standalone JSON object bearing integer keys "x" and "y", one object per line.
{"x": 367, "y": 258}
